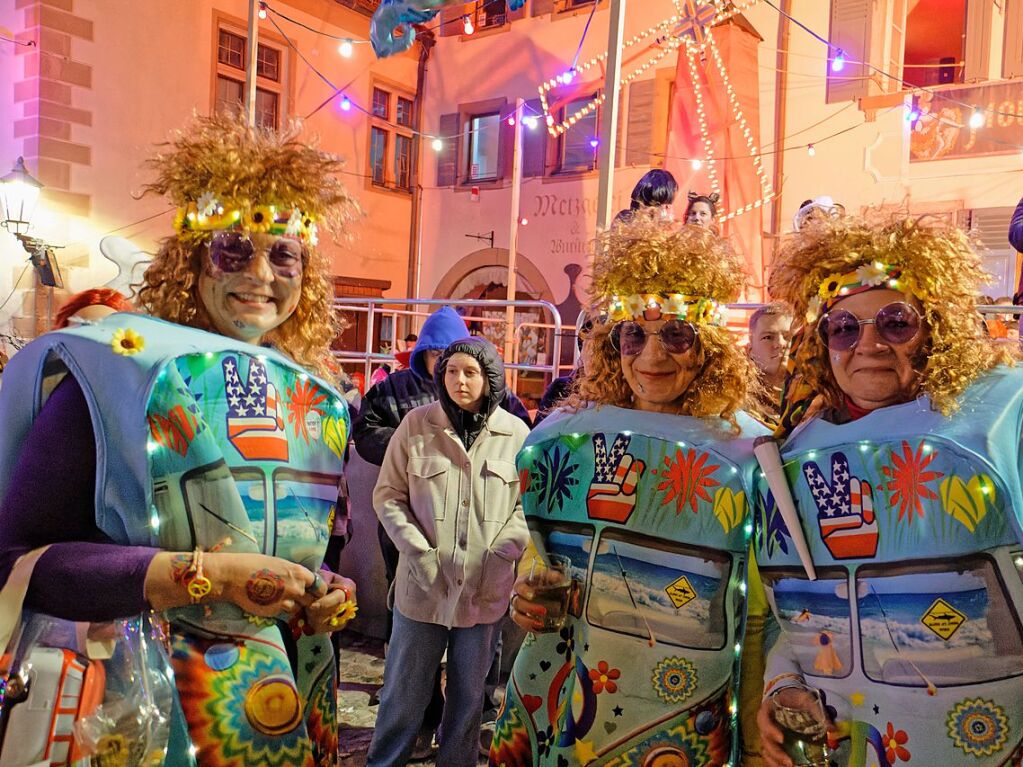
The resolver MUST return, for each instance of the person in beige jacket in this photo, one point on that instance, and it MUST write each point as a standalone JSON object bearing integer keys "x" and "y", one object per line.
{"x": 448, "y": 496}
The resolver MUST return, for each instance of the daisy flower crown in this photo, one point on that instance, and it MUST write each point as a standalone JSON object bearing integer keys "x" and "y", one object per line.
{"x": 700, "y": 310}
{"x": 209, "y": 214}
{"x": 868, "y": 276}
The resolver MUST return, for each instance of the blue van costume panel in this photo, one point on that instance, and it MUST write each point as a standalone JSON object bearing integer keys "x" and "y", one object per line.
{"x": 913, "y": 628}
{"x": 651, "y": 510}
{"x": 204, "y": 441}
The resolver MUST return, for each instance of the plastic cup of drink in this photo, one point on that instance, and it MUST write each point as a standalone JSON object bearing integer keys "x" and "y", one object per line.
{"x": 799, "y": 713}
{"x": 551, "y": 584}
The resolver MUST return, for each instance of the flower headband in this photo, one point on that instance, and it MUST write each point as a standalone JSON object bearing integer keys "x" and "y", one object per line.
{"x": 699, "y": 310}
{"x": 208, "y": 214}
{"x": 865, "y": 277}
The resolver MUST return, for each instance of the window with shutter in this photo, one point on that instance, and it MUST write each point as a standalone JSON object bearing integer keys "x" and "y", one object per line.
{"x": 850, "y": 32}
{"x": 639, "y": 145}
{"x": 447, "y": 159}
{"x": 1012, "y": 57}
{"x": 934, "y": 52}
{"x": 534, "y": 140}
{"x": 542, "y": 7}
{"x": 979, "y": 14}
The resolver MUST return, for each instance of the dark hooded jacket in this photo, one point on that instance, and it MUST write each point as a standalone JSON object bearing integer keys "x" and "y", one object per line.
{"x": 467, "y": 424}
{"x": 387, "y": 403}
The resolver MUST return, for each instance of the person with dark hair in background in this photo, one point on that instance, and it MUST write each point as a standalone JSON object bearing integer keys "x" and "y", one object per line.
{"x": 384, "y": 407}
{"x": 702, "y": 209}
{"x": 656, "y": 189}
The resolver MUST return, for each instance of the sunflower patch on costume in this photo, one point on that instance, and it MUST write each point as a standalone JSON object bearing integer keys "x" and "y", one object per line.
{"x": 650, "y": 511}
{"x": 915, "y": 517}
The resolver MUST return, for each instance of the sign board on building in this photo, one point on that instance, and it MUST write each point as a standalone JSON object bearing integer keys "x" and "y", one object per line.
{"x": 942, "y": 131}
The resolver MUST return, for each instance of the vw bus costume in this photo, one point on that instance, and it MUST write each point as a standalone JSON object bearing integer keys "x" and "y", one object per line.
{"x": 206, "y": 441}
{"x": 912, "y": 629}
{"x": 651, "y": 510}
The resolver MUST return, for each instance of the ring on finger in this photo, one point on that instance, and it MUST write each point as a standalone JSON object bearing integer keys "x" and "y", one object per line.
{"x": 317, "y": 586}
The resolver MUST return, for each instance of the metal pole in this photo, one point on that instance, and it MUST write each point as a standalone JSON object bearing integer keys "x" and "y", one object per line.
{"x": 609, "y": 116}
{"x": 513, "y": 233}
{"x": 252, "y": 48}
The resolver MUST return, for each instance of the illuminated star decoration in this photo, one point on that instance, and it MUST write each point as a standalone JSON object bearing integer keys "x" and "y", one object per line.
{"x": 688, "y": 29}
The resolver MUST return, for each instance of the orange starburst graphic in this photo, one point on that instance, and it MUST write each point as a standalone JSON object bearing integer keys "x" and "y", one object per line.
{"x": 686, "y": 478}
{"x": 908, "y": 479}
{"x": 305, "y": 398}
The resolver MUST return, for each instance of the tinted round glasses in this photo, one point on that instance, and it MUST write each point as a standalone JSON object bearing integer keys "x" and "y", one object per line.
{"x": 676, "y": 336}
{"x": 896, "y": 323}
{"x": 233, "y": 252}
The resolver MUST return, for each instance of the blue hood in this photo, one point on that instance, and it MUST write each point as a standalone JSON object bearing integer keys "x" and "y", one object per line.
{"x": 441, "y": 329}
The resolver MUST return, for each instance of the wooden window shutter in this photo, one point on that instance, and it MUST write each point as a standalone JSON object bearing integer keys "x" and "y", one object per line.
{"x": 448, "y": 18}
{"x": 541, "y": 7}
{"x": 850, "y": 31}
{"x": 447, "y": 159}
{"x": 979, "y": 14}
{"x": 534, "y": 142}
{"x": 1012, "y": 57}
{"x": 639, "y": 145}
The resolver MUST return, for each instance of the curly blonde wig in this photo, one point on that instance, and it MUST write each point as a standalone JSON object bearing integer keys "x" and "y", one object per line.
{"x": 645, "y": 256}
{"x": 939, "y": 266}
{"x": 249, "y": 167}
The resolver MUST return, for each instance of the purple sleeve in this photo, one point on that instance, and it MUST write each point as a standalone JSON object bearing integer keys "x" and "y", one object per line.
{"x": 82, "y": 576}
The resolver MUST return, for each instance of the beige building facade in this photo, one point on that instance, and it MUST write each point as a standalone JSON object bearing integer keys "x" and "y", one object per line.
{"x": 106, "y": 80}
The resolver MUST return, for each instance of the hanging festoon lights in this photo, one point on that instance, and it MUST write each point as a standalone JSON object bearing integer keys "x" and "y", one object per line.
{"x": 687, "y": 31}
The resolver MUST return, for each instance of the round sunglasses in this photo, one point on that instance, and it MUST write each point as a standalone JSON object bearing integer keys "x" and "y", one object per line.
{"x": 676, "y": 337}
{"x": 896, "y": 323}
{"x": 233, "y": 252}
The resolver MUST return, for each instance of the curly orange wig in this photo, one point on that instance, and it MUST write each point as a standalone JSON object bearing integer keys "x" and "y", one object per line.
{"x": 224, "y": 157}
{"x": 643, "y": 257}
{"x": 939, "y": 266}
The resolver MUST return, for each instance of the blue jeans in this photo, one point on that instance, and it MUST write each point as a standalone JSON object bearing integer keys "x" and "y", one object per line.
{"x": 413, "y": 655}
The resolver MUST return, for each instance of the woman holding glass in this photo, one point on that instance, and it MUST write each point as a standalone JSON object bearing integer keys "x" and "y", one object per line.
{"x": 902, "y": 461}
{"x": 638, "y": 489}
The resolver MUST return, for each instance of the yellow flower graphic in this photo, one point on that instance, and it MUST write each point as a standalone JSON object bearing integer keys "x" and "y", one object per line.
{"x": 259, "y": 219}
{"x": 830, "y": 286}
{"x": 127, "y": 342}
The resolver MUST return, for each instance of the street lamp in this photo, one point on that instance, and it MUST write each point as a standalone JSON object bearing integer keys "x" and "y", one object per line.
{"x": 19, "y": 192}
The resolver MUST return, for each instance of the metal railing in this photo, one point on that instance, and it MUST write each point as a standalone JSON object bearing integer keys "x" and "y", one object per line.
{"x": 377, "y": 308}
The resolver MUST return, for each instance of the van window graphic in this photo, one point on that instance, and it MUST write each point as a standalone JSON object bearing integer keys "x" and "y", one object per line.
{"x": 641, "y": 585}
{"x": 815, "y": 617}
{"x": 252, "y": 489}
{"x": 303, "y": 502}
{"x": 950, "y": 623}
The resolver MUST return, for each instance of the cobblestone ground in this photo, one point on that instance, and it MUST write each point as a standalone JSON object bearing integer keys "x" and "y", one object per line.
{"x": 362, "y": 674}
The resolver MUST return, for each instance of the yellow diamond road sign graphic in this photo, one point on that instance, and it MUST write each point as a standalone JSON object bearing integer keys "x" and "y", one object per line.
{"x": 943, "y": 619}
{"x": 680, "y": 592}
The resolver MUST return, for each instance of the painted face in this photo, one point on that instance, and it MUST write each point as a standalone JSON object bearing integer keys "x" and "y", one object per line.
{"x": 250, "y": 285}
{"x": 464, "y": 381}
{"x": 657, "y": 377}
{"x": 700, "y": 214}
{"x": 876, "y": 372}
{"x": 769, "y": 343}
